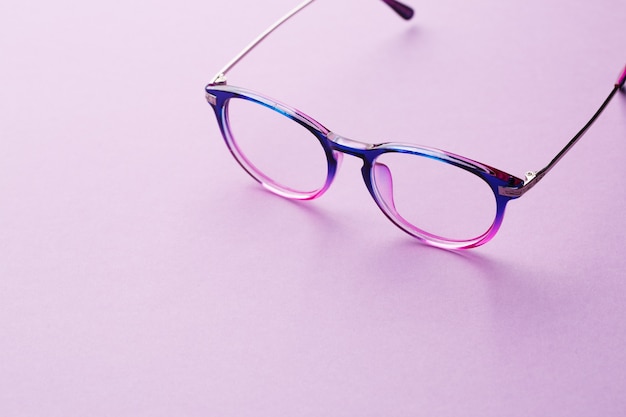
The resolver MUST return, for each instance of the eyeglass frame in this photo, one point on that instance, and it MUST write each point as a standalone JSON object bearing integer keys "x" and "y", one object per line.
{"x": 505, "y": 186}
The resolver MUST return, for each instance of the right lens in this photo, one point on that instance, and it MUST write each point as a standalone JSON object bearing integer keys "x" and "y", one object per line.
{"x": 279, "y": 152}
{"x": 432, "y": 198}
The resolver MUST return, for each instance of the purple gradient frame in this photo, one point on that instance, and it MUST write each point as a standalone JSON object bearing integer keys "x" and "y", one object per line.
{"x": 376, "y": 176}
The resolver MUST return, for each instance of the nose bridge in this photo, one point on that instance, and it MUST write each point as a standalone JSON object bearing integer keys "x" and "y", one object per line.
{"x": 349, "y": 146}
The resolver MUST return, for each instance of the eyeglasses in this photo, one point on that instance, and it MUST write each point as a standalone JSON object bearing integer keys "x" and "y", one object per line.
{"x": 438, "y": 197}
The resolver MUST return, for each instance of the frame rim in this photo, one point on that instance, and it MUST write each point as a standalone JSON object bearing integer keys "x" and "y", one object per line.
{"x": 335, "y": 146}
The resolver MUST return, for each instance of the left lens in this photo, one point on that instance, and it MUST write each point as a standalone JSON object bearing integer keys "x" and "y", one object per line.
{"x": 275, "y": 149}
{"x": 433, "y": 199}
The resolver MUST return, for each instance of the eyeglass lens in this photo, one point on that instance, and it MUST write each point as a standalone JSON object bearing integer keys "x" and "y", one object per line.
{"x": 422, "y": 194}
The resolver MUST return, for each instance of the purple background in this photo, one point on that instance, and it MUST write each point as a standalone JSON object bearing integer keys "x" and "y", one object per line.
{"x": 142, "y": 273}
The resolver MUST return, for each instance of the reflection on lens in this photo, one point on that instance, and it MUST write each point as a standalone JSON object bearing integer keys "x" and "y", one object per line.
{"x": 433, "y": 196}
{"x": 279, "y": 151}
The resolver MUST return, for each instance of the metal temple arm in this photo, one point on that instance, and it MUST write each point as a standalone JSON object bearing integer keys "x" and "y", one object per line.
{"x": 533, "y": 177}
{"x": 403, "y": 10}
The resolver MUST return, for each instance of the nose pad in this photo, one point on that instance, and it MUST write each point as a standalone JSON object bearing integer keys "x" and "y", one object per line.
{"x": 384, "y": 184}
{"x": 339, "y": 158}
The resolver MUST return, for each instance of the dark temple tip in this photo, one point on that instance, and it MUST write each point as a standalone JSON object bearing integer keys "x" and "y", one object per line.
{"x": 621, "y": 79}
{"x": 403, "y": 10}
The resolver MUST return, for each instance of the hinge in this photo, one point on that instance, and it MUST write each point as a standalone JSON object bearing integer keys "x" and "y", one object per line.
{"x": 529, "y": 182}
{"x": 220, "y": 79}
{"x": 530, "y": 175}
